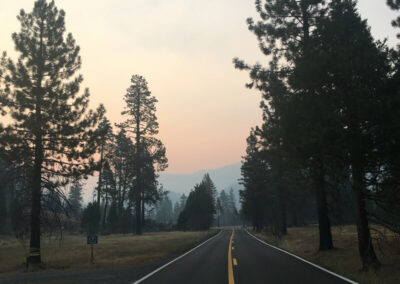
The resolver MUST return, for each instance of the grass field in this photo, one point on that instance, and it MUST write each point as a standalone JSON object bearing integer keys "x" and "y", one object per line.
{"x": 344, "y": 259}
{"x": 112, "y": 251}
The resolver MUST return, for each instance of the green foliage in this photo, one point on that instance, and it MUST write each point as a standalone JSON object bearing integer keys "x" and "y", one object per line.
{"x": 75, "y": 199}
{"x": 91, "y": 218}
{"x": 200, "y": 207}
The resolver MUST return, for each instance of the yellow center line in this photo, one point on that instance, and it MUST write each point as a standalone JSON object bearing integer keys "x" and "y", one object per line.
{"x": 231, "y": 279}
{"x": 234, "y": 261}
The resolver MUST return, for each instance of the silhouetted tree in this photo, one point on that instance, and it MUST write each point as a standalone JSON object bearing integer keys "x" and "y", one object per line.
{"x": 353, "y": 69}
{"x": 123, "y": 164}
{"x": 104, "y": 131}
{"x": 164, "y": 212}
{"x": 199, "y": 209}
{"x": 283, "y": 34}
{"x": 75, "y": 199}
{"x": 109, "y": 191}
{"x": 51, "y": 131}
{"x": 91, "y": 218}
{"x": 142, "y": 124}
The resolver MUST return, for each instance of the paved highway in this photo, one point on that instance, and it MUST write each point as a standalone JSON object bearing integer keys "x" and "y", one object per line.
{"x": 235, "y": 256}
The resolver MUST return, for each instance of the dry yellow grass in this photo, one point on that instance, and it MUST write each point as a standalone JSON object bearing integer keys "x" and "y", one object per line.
{"x": 112, "y": 251}
{"x": 344, "y": 259}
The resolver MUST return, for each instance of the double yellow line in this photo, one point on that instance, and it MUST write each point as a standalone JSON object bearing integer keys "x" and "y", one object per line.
{"x": 231, "y": 279}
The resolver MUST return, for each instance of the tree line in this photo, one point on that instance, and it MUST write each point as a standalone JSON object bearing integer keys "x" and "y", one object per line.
{"x": 203, "y": 208}
{"x": 50, "y": 139}
{"x": 330, "y": 131}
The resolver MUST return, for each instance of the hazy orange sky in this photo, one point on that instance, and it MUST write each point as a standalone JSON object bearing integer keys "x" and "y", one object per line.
{"x": 184, "y": 48}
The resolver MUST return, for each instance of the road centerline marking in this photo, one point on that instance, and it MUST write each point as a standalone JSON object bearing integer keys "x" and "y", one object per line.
{"x": 231, "y": 279}
{"x": 234, "y": 261}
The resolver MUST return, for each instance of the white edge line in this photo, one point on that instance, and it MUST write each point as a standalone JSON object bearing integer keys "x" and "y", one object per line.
{"x": 306, "y": 261}
{"x": 172, "y": 261}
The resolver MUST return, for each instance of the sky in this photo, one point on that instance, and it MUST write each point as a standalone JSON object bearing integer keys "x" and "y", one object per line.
{"x": 184, "y": 48}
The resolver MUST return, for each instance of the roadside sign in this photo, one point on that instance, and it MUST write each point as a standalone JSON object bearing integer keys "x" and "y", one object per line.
{"x": 92, "y": 240}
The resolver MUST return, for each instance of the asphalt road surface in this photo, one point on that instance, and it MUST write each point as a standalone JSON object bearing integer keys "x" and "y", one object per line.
{"x": 235, "y": 256}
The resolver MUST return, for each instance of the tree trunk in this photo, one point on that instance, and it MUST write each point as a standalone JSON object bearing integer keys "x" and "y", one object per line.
{"x": 34, "y": 246}
{"x": 365, "y": 247}
{"x": 281, "y": 218}
{"x": 100, "y": 170}
{"x": 105, "y": 212}
{"x": 36, "y": 193}
{"x": 325, "y": 235}
{"x": 143, "y": 208}
{"x": 138, "y": 172}
{"x": 119, "y": 196}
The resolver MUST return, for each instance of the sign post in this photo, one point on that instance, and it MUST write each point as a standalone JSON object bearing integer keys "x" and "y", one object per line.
{"x": 92, "y": 240}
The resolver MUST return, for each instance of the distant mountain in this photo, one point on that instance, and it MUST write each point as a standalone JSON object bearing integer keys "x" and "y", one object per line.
{"x": 223, "y": 178}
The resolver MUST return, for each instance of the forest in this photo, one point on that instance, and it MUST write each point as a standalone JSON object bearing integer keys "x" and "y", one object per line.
{"x": 328, "y": 148}
{"x": 327, "y": 151}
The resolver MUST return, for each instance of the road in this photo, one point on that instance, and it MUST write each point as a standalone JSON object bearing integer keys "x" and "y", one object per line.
{"x": 235, "y": 256}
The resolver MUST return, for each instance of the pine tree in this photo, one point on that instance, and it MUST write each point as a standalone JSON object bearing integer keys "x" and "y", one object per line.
{"x": 199, "y": 208}
{"x": 210, "y": 186}
{"x": 283, "y": 34}
{"x": 104, "y": 131}
{"x": 91, "y": 218}
{"x": 143, "y": 126}
{"x": 164, "y": 210}
{"x": 254, "y": 195}
{"x": 51, "y": 133}
{"x": 219, "y": 211}
{"x": 154, "y": 160}
{"x": 232, "y": 207}
{"x": 75, "y": 198}
{"x": 123, "y": 164}
{"x": 109, "y": 191}
{"x": 353, "y": 70}
{"x": 224, "y": 210}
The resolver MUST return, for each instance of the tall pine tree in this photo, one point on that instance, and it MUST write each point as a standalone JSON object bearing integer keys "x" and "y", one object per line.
{"x": 283, "y": 34}
{"x": 143, "y": 126}
{"x": 51, "y": 130}
{"x": 352, "y": 70}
